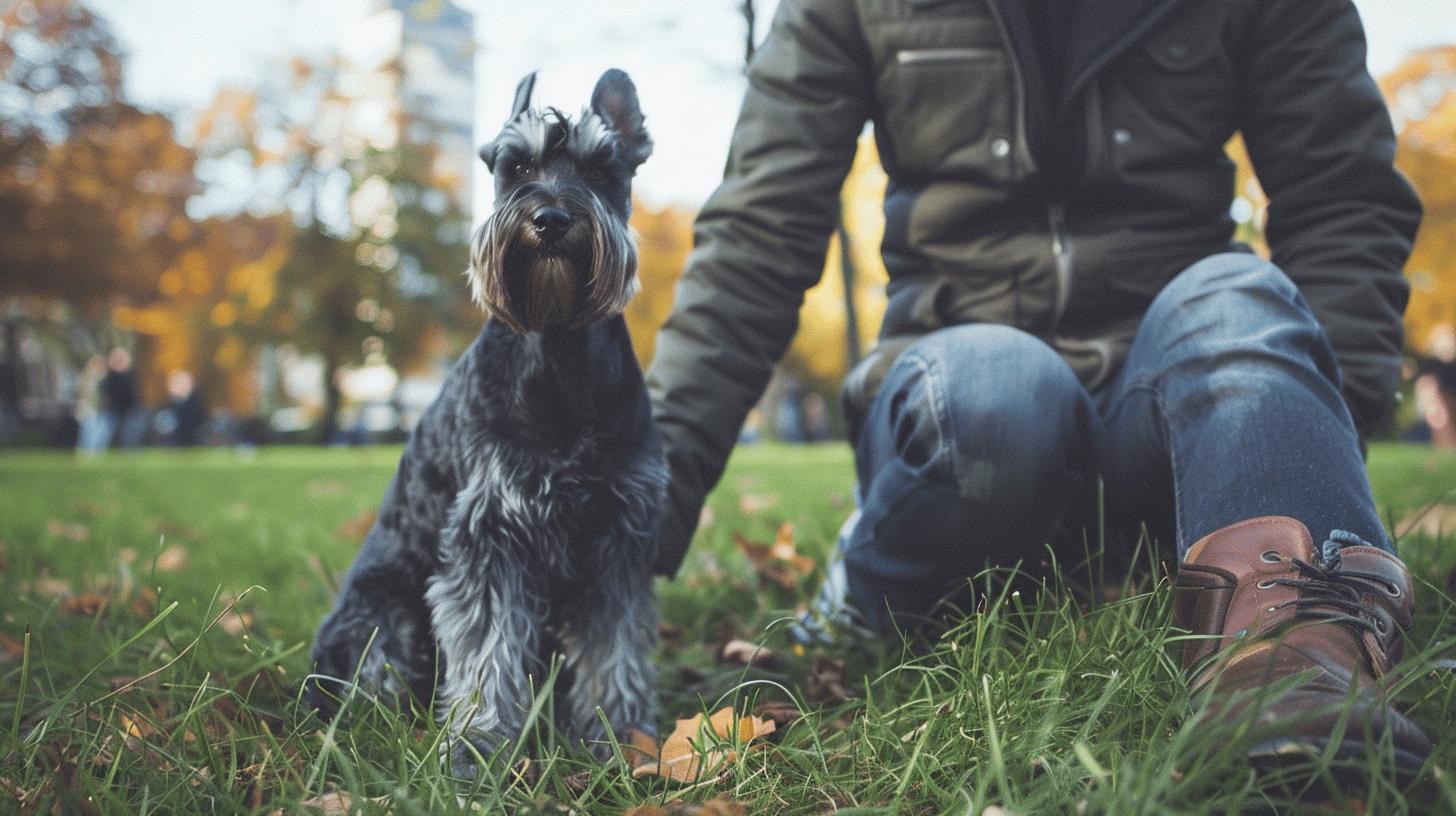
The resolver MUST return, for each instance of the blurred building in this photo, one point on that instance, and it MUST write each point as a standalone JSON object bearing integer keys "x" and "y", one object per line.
{"x": 410, "y": 76}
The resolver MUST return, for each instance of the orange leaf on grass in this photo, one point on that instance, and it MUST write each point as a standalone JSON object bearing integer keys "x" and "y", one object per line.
{"x": 172, "y": 559}
{"x": 779, "y": 562}
{"x": 89, "y": 604}
{"x": 744, "y": 653}
{"x": 356, "y": 527}
{"x": 11, "y": 648}
{"x": 68, "y": 529}
{"x": 697, "y": 749}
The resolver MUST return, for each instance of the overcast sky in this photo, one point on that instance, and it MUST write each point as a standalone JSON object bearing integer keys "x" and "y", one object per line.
{"x": 683, "y": 54}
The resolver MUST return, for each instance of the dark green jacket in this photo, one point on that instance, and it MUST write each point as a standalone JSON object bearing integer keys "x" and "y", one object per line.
{"x": 1063, "y": 218}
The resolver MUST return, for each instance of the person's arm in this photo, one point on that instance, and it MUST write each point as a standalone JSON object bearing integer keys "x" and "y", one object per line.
{"x": 760, "y": 242}
{"x": 1341, "y": 217}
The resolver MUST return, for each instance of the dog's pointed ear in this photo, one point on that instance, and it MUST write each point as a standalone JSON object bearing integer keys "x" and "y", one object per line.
{"x": 519, "y": 105}
{"x": 487, "y": 155}
{"x": 523, "y": 96}
{"x": 615, "y": 100}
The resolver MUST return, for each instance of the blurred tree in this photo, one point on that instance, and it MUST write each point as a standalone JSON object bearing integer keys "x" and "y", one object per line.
{"x": 819, "y": 352}
{"x": 98, "y": 214}
{"x": 1422, "y": 96}
{"x": 664, "y": 239}
{"x": 89, "y": 186}
{"x": 59, "y": 65}
{"x": 91, "y": 189}
{"x": 379, "y": 238}
{"x": 213, "y": 309}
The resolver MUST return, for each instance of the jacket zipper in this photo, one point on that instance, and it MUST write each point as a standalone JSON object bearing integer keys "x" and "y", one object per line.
{"x": 921, "y": 56}
{"x": 1062, "y": 252}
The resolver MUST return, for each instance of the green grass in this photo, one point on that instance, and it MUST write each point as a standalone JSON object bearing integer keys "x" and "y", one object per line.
{"x": 124, "y": 690}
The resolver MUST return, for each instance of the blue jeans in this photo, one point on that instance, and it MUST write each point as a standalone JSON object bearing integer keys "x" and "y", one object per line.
{"x": 982, "y": 440}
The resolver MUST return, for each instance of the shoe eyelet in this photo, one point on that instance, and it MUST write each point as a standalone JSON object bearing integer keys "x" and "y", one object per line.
{"x": 1380, "y": 626}
{"x": 1270, "y": 557}
{"x": 1267, "y": 583}
{"x": 1392, "y": 590}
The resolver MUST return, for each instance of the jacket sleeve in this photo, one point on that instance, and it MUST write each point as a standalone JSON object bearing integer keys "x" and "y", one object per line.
{"x": 1342, "y": 219}
{"x": 759, "y": 243}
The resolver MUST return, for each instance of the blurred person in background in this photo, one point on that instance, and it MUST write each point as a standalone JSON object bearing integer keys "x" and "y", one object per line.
{"x": 183, "y": 420}
{"x": 123, "y": 414}
{"x": 1435, "y": 392}
{"x": 93, "y": 431}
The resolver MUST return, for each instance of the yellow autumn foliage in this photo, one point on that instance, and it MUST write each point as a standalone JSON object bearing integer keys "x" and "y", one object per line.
{"x": 821, "y": 351}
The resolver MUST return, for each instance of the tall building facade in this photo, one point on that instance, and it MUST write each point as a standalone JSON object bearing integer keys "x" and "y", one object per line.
{"x": 410, "y": 74}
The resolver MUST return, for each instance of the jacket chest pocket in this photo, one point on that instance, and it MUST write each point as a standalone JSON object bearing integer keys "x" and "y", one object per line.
{"x": 1176, "y": 90}
{"x": 943, "y": 94}
{"x": 947, "y": 112}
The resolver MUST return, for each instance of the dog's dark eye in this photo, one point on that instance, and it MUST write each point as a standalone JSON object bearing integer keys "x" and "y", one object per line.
{"x": 520, "y": 168}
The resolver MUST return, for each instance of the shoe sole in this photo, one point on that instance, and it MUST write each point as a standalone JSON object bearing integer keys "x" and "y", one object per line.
{"x": 1348, "y": 765}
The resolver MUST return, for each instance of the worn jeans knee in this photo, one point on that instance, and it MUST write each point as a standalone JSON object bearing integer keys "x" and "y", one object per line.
{"x": 1230, "y": 396}
{"x": 967, "y": 458}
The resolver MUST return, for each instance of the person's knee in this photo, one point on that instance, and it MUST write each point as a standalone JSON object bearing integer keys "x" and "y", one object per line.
{"x": 989, "y": 407}
{"x": 1239, "y": 327}
{"x": 1233, "y": 291}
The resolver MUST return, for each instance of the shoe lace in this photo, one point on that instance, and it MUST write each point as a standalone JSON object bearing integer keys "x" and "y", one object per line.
{"x": 1330, "y": 593}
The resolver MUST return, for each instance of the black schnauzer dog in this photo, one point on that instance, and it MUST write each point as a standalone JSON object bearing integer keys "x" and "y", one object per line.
{"x": 521, "y": 521}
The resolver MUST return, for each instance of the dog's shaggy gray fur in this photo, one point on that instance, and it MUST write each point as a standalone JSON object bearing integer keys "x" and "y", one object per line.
{"x": 521, "y": 521}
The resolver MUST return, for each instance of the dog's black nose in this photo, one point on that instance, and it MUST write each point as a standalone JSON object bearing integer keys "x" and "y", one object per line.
{"x": 551, "y": 222}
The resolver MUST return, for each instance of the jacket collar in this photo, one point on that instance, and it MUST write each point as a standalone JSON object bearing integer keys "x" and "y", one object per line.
{"x": 1101, "y": 31}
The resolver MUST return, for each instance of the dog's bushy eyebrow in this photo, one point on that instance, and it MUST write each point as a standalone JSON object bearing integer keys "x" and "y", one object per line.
{"x": 592, "y": 140}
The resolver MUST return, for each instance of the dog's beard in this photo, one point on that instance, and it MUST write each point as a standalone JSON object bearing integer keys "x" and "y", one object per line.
{"x": 588, "y": 273}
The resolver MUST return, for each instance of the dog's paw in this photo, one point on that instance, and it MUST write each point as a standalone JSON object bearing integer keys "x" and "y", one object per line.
{"x": 467, "y": 755}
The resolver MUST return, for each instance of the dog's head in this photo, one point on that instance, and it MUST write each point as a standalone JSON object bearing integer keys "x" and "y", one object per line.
{"x": 557, "y": 251}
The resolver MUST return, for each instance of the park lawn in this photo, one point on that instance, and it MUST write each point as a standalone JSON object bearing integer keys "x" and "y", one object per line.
{"x": 124, "y": 689}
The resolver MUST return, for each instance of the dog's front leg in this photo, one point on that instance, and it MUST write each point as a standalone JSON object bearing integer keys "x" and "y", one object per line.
{"x": 487, "y": 611}
{"x": 613, "y": 630}
{"x": 609, "y": 655}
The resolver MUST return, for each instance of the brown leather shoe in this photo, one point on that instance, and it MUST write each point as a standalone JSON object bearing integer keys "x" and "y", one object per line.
{"x": 1282, "y": 610}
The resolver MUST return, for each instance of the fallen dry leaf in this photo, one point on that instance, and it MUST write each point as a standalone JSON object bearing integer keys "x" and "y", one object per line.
{"x": 144, "y": 605}
{"x": 326, "y": 488}
{"x": 1433, "y": 520}
{"x": 744, "y": 653}
{"x": 68, "y": 529}
{"x": 697, "y": 749}
{"x": 356, "y": 527}
{"x": 11, "y": 648}
{"x": 825, "y": 683}
{"x": 89, "y": 604}
{"x": 168, "y": 528}
{"x": 172, "y": 559}
{"x": 782, "y": 714}
{"x": 717, "y": 806}
{"x": 640, "y": 747}
{"x": 669, "y": 632}
{"x": 779, "y": 562}
{"x": 334, "y": 802}
{"x": 47, "y": 587}
{"x": 751, "y": 504}
{"x": 234, "y": 621}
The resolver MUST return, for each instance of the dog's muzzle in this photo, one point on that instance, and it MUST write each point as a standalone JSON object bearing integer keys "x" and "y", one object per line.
{"x": 545, "y": 261}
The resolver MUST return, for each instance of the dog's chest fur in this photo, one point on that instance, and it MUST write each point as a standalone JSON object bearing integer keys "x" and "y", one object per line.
{"x": 547, "y": 434}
